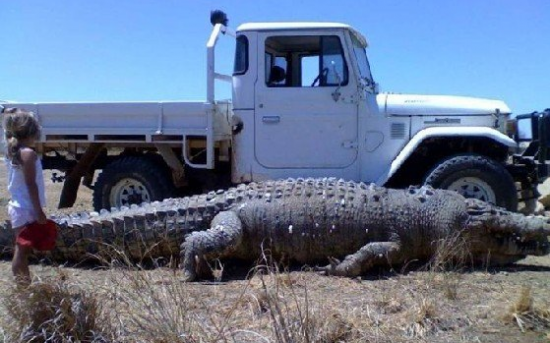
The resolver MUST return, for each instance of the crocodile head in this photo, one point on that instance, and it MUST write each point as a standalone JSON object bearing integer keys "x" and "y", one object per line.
{"x": 501, "y": 237}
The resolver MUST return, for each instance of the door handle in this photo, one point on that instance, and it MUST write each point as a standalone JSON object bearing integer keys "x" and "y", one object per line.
{"x": 271, "y": 119}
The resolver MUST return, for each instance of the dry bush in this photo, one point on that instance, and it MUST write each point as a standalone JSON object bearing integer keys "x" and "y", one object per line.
{"x": 165, "y": 309}
{"x": 438, "y": 281}
{"x": 148, "y": 306}
{"x": 292, "y": 314}
{"x": 51, "y": 311}
{"x": 270, "y": 307}
{"x": 447, "y": 264}
{"x": 294, "y": 318}
{"x": 527, "y": 315}
{"x": 422, "y": 319}
{"x": 153, "y": 310}
{"x": 451, "y": 254}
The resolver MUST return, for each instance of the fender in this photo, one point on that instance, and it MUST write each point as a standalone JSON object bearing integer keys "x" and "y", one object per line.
{"x": 432, "y": 132}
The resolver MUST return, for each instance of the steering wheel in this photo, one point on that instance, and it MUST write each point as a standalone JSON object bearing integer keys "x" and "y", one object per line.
{"x": 323, "y": 75}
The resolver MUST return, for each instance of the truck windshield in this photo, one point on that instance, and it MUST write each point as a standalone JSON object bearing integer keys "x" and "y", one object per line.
{"x": 363, "y": 63}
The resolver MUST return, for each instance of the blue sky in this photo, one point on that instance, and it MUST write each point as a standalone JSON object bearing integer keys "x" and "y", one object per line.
{"x": 106, "y": 50}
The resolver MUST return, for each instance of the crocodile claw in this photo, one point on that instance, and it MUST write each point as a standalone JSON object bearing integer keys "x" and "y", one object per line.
{"x": 188, "y": 276}
{"x": 329, "y": 269}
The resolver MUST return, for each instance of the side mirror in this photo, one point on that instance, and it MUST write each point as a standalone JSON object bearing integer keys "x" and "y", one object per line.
{"x": 376, "y": 88}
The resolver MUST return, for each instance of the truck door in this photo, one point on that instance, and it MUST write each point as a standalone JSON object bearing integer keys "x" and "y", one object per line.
{"x": 305, "y": 113}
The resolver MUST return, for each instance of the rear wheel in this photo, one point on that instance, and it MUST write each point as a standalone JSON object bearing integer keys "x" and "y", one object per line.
{"x": 131, "y": 180}
{"x": 475, "y": 176}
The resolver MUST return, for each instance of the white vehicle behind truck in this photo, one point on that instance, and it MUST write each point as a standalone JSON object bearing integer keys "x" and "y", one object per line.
{"x": 304, "y": 104}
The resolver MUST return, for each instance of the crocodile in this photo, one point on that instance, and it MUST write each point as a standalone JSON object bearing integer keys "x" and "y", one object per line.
{"x": 353, "y": 226}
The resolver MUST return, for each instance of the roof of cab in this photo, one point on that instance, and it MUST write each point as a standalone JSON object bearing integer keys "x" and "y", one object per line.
{"x": 300, "y": 26}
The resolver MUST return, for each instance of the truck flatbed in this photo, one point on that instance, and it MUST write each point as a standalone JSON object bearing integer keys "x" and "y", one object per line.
{"x": 147, "y": 122}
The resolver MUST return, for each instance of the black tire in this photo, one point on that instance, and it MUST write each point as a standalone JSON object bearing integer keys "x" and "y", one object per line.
{"x": 133, "y": 179}
{"x": 476, "y": 176}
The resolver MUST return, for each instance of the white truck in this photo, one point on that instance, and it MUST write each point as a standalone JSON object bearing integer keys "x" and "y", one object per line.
{"x": 304, "y": 104}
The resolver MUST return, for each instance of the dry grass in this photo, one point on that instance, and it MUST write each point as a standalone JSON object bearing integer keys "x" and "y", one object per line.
{"x": 451, "y": 259}
{"x": 275, "y": 305}
{"x": 134, "y": 305}
{"x": 140, "y": 308}
{"x": 51, "y": 311}
{"x": 527, "y": 315}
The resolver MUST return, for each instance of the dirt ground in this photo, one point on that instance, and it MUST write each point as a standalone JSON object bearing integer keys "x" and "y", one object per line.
{"x": 470, "y": 305}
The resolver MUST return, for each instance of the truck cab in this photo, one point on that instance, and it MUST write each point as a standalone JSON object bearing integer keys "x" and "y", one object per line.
{"x": 296, "y": 93}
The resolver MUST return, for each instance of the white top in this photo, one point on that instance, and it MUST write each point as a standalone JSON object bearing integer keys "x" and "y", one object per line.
{"x": 276, "y": 26}
{"x": 290, "y": 25}
{"x": 19, "y": 192}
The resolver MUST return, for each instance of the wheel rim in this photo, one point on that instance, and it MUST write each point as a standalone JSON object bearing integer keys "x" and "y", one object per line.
{"x": 129, "y": 191}
{"x": 472, "y": 187}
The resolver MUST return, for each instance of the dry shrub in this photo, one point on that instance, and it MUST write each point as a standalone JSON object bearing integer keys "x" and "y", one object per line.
{"x": 423, "y": 319}
{"x": 439, "y": 281}
{"x": 447, "y": 264}
{"x": 52, "y": 311}
{"x": 527, "y": 315}
{"x": 149, "y": 306}
{"x": 389, "y": 305}
{"x": 293, "y": 315}
{"x": 151, "y": 309}
{"x": 451, "y": 253}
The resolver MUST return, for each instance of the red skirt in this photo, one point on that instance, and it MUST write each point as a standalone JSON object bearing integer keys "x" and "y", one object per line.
{"x": 38, "y": 236}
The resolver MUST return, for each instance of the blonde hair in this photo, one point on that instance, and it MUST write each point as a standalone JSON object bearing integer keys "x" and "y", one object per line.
{"x": 18, "y": 125}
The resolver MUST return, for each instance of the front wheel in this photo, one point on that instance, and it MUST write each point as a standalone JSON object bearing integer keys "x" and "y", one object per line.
{"x": 475, "y": 176}
{"x": 131, "y": 180}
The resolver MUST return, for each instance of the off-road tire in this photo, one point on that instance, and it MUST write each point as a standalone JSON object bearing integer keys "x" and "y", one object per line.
{"x": 490, "y": 172}
{"x": 142, "y": 170}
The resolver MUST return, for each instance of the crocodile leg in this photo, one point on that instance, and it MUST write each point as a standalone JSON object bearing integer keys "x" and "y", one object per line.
{"x": 223, "y": 237}
{"x": 370, "y": 255}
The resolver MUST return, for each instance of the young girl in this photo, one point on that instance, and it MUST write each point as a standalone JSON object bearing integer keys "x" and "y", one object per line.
{"x": 25, "y": 184}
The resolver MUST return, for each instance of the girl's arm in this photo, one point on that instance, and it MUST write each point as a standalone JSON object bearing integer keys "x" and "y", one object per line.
{"x": 28, "y": 161}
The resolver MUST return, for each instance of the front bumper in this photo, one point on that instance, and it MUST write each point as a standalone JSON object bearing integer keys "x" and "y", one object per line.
{"x": 531, "y": 166}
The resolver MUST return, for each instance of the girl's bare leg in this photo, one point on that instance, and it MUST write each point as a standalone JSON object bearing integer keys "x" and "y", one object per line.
{"x": 20, "y": 265}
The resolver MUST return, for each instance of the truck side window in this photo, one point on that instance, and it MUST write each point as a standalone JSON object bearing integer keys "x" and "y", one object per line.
{"x": 333, "y": 61}
{"x": 241, "y": 56}
{"x": 305, "y": 61}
